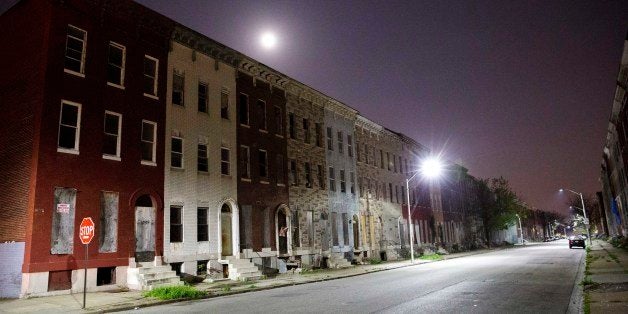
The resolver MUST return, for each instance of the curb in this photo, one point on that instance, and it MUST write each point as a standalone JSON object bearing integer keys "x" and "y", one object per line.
{"x": 211, "y": 296}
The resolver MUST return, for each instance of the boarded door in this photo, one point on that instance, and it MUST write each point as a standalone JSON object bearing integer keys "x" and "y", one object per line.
{"x": 144, "y": 234}
{"x": 225, "y": 231}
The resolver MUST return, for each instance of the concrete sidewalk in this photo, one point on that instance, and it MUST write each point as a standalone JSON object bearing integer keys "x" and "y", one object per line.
{"x": 606, "y": 278}
{"x": 126, "y": 300}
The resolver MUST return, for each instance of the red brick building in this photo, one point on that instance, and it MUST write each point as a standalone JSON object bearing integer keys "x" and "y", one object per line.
{"x": 83, "y": 92}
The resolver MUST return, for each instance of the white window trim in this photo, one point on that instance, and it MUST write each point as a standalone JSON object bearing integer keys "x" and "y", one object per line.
{"x": 156, "y": 77}
{"x": 206, "y": 156}
{"x": 123, "y": 66}
{"x": 74, "y": 151}
{"x": 200, "y": 82}
{"x": 83, "y": 53}
{"x": 227, "y": 161}
{"x": 154, "y": 161}
{"x": 118, "y": 139}
{"x": 182, "y": 154}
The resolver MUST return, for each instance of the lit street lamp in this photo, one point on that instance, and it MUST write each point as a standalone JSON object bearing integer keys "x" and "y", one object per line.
{"x": 584, "y": 212}
{"x": 431, "y": 168}
{"x": 520, "y": 230}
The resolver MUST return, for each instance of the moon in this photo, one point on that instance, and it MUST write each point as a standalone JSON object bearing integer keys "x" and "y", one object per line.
{"x": 268, "y": 40}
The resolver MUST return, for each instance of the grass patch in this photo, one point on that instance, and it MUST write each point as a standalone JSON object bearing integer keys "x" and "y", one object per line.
{"x": 175, "y": 292}
{"x": 431, "y": 257}
{"x": 252, "y": 286}
{"x": 587, "y": 282}
{"x": 613, "y": 256}
{"x": 587, "y": 304}
{"x": 374, "y": 261}
{"x": 226, "y": 288}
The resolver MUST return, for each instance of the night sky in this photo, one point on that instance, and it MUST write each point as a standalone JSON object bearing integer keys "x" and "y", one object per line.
{"x": 519, "y": 89}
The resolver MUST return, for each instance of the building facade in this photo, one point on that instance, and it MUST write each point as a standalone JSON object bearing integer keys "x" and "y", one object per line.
{"x": 92, "y": 93}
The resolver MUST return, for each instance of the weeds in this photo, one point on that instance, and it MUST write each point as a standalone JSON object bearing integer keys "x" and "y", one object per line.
{"x": 175, "y": 292}
{"x": 252, "y": 286}
{"x": 431, "y": 257}
{"x": 587, "y": 304}
{"x": 226, "y": 288}
{"x": 374, "y": 261}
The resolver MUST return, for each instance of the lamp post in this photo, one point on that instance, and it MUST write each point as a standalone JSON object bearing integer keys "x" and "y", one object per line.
{"x": 520, "y": 230}
{"x": 430, "y": 168}
{"x": 584, "y": 212}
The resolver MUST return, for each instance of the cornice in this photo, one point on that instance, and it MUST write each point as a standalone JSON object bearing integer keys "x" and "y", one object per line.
{"x": 203, "y": 44}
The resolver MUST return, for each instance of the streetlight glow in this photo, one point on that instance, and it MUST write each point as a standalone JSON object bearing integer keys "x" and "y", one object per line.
{"x": 431, "y": 168}
{"x": 268, "y": 40}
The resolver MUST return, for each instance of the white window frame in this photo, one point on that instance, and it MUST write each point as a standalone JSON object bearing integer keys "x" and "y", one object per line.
{"x": 181, "y": 152}
{"x": 152, "y": 162}
{"x": 83, "y": 53}
{"x": 122, "y": 67}
{"x": 198, "y": 96}
{"x": 155, "y": 78}
{"x": 75, "y": 150}
{"x": 228, "y": 161}
{"x": 341, "y": 143}
{"x": 206, "y": 157}
{"x": 181, "y": 75}
{"x": 118, "y": 136}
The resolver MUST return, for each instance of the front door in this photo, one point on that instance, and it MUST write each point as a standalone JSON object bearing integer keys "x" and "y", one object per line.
{"x": 282, "y": 227}
{"x": 225, "y": 230}
{"x": 356, "y": 233}
{"x": 144, "y": 234}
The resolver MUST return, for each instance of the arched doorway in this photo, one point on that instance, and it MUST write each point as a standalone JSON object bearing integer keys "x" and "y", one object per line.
{"x": 356, "y": 232}
{"x": 226, "y": 234}
{"x": 144, "y": 229}
{"x": 283, "y": 230}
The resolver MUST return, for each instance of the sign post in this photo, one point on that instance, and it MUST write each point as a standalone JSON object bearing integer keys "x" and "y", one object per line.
{"x": 86, "y": 234}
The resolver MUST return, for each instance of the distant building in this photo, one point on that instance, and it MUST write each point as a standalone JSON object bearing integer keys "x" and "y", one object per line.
{"x": 615, "y": 159}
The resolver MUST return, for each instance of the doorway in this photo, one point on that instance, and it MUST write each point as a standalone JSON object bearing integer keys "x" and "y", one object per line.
{"x": 356, "y": 232}
{"x": 282, "y": 229}
{"x": 225, "y": 230}
{"x": 144, "y": 229}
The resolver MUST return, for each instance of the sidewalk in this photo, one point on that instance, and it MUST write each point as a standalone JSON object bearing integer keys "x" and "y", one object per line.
{"x": 127, "y": 300}
{"x": 606, "y": 278}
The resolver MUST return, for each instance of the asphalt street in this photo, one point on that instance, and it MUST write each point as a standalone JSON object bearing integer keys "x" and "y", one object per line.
{"x": 532, "y": 279}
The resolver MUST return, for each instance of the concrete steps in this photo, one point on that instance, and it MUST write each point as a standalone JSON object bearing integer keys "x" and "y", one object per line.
{"x": 148, "y": 277}
{"x": 338, "y": 261}
{"x": 241, "y": 269}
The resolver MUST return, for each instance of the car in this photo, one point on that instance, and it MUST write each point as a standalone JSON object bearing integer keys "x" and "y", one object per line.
{"x": 576, "y": 241}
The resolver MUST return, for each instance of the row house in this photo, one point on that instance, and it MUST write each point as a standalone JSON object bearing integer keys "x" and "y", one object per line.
{"x": 87, "y": 140}
{"x": 201, "y": 187}
{"x": 338, "y": 243}
{"x": 615, "y": 156}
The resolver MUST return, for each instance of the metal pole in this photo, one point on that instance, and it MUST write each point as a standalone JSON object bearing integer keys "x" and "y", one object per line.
{"x": 410, "y": 221}
{"x": 520, "y": 230}
{"x": 85, "y": 275}
{"x": 586, "y": 220}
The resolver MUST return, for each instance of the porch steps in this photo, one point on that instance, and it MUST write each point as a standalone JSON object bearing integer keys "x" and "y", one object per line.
{"x": 148, "y": 277}
{"x": 241, "y": 268}
{"x": 337, "y": 260}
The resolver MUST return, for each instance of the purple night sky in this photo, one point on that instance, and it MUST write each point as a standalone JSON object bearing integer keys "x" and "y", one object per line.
{"x": 519, "y": 89}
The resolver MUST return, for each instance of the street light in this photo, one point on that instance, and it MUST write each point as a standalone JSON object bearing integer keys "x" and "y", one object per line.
{"x": 430, "y": 168}
{"x": 584, "y": 212}
{"x": 520, "y": 230}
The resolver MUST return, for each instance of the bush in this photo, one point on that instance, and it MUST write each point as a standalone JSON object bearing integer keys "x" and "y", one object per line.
{"x": 374, "y": 261}
{"x": 175, "y": 292}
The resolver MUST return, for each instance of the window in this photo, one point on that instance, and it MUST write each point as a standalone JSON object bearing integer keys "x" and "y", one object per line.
{"x": 366, "y": 153}
{"x": 178, "y": 80}
{"x": 319, "y": 138}
{"x": 176, "y": 152}
{"x": 262, "y": 158}
{"x": 308, "y": 175}
{"x": 321, "y": 177}
{"x": 245, "y": 157}
{"x": 400, "y": 165}
{"x": 108, "y": 228}
{"x": 340, "y": 142}
{"x": 278, "y": 121}
{"x": 350, "y": 145}
{"x": 357, "y": 151}
{"x": 261, "y": 109}
{"x": 390, "y": 192}
{"x": 243, "y": 114}
{"x": 202, "y": 160}
{"x": 332, "y": 179}
{"x": 405, "y": 161}
{"x": 63, "y": 213}
{"x": 343, "y": 184}
{"x": 75, "y": 47}
{"x": 176, "y": 224}
{"x": 224, "y": 105}
{"x": 115, "y": 66}
{"x": 394, "y": 163}
{"x": 69, "y": 127}
{"x": 330, "y": 142}
{"x": 388, "y": 161}
{"x": 381, "y": 159}
{"x": 151, "y": 65}
{"x": 149, "y": 141}
{"x": 306, "y": 131}
{"x": 280, "y": 173}
{"x": 224, "y": 161}
{"x": 291, "y": 125}
{"x": 202, "y": 233}
{"x": 111, "y": 142}
{"x": 352, "y": 178}
{"x": 293, "y": 173}
{"x": 202, "y": 97}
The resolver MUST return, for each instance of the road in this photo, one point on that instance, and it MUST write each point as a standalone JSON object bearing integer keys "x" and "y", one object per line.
{"x": 533, "y": 279}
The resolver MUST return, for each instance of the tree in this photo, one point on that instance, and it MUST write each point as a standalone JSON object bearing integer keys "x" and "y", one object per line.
{"x": 500, "y": 205}
{"x": 593, "y": 212}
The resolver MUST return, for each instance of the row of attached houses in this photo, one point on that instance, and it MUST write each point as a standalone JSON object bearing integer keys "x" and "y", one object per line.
{"x": 191, "y": 158}
{"x": 614, "y": 196}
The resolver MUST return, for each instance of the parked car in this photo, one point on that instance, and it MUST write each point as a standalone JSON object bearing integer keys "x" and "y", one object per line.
{"x": 576, "y": 241}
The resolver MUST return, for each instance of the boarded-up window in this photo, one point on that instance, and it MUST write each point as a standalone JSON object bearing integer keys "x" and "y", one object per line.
{"x": 345, "y": 229}
{"x": 334, "y": 228}
{"x": 62, "y": 239}
{"x": 108, "y": 229}
{"x": 309, "y": 215}
{"x": 245, "y": 227}
{"x": 296, "y": 239}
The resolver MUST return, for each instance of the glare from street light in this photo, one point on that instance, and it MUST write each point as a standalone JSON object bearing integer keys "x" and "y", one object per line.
{"x": 560, "y": 190}
{"x": 431, "y": 168}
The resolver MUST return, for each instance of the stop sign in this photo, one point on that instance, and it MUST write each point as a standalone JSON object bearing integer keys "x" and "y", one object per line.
{"x": 87, "y": 230}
